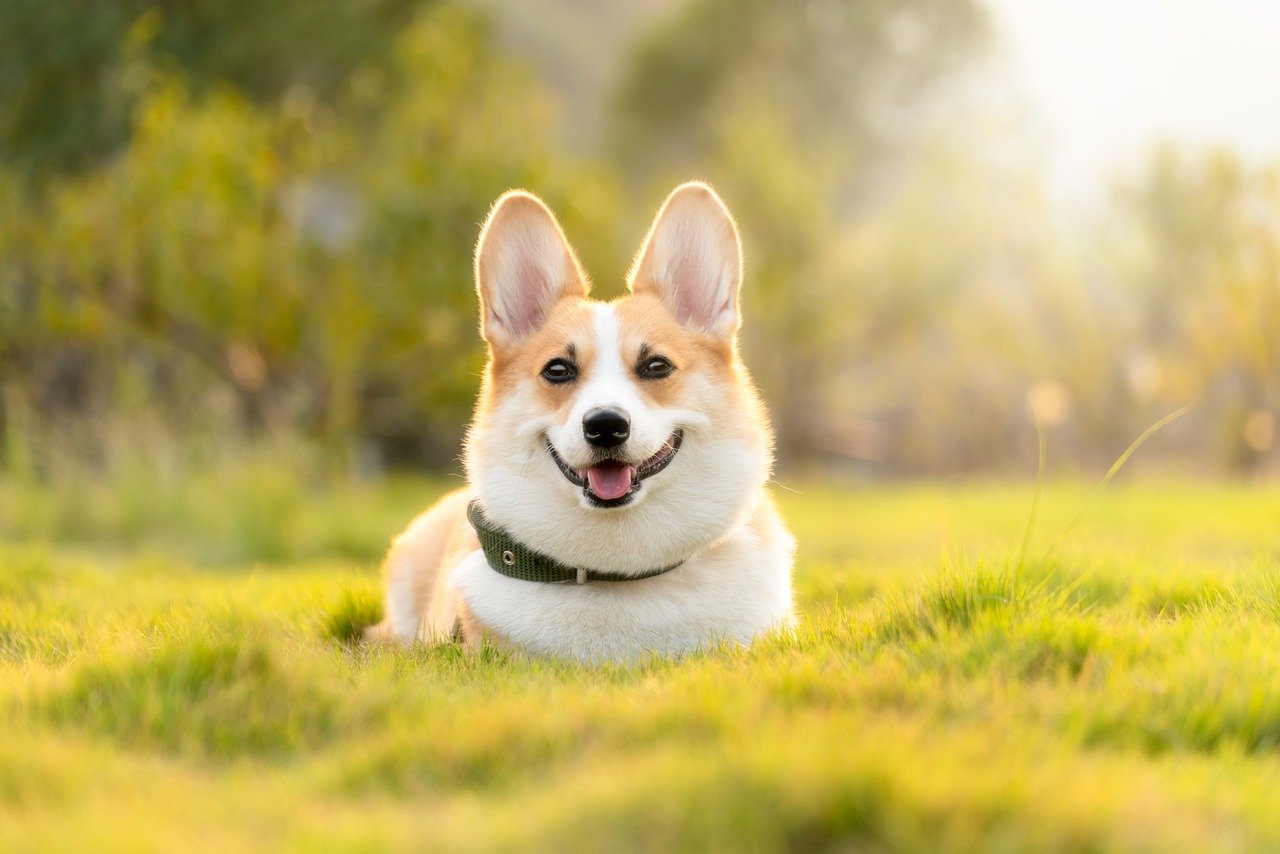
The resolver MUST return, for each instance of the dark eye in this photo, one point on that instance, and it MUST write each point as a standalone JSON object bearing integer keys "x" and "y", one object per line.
{"x": 656, "y": 368}
{"x": 559, "y": 371}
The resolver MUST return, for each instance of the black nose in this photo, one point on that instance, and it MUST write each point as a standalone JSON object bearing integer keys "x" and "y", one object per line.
{"x": 606, "y": 428}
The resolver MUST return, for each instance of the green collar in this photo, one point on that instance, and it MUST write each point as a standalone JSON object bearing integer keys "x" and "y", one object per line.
{"x": 508, "y": 557}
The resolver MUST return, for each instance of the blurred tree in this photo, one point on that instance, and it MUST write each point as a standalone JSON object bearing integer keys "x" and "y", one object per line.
{"x": 797, "y": 112}
{"x": 1198, "y": 246}
{"x": 575, "y": 47}
{"x": 69, "y": 70}
{"x": 312, "y": 260}
{"x": 845, "y": 78}
{"x": 940, "y": 283}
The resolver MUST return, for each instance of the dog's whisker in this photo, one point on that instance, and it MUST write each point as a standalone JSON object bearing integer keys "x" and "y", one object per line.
{"x": 524, "y": 470}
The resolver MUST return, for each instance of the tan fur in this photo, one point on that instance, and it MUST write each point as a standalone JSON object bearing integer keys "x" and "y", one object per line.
{"x": 568, "y": 323}
{"x": 474, "y": 634}
{"x": 647, "y": 326}
{"x": 434, "y": 542}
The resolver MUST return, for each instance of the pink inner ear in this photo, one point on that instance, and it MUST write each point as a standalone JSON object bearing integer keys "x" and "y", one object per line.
{"x": 530, "y": 274}
{"x": 528, "y": 297}
{"x": 697, "y": 280}
{"x": 692, "y": 260}
{"x": 524, "y": 266}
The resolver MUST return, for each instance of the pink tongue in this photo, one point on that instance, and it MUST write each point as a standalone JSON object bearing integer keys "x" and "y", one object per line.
{"x": 610, "y": 482}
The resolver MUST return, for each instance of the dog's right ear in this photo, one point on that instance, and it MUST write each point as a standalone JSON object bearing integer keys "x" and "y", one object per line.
{"x": 524, "y": 266}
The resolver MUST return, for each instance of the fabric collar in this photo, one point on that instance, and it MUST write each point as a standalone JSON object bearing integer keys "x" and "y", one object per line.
{"x": 509, "y": 557}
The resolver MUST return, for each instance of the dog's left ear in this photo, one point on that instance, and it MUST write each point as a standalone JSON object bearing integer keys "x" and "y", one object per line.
{"x": 692, "y": 261}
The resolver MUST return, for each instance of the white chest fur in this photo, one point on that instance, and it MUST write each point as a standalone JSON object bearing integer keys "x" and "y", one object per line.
{"x": 733, "y": 590}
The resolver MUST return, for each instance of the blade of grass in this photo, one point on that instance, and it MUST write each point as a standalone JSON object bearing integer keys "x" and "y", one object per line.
{"x": 1035, "y": 500}
{"x": 1111, "y": 473}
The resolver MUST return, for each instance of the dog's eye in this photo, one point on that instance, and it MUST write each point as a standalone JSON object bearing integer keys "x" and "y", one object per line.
{"x": 656, "y": 368}
{"x": 559, "y": 371}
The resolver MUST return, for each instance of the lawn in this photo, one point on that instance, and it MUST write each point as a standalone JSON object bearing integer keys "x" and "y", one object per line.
{"x": 177, "y": 671}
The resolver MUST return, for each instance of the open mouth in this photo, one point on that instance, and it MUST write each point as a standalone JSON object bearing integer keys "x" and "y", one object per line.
{"x": 613, "y": 483}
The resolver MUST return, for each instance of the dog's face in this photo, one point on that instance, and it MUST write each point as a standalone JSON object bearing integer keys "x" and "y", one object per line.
{"x": 620, "y": 436}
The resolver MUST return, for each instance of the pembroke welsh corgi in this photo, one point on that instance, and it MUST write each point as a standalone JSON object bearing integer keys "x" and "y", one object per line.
{"x": 617, "y": 461}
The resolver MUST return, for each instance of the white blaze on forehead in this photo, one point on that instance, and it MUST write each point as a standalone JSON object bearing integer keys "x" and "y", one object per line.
{"x": 608, "y": 367}
{"x": 609, "y": 381}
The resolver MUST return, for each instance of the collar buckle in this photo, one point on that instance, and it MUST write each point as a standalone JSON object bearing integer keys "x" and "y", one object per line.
{"x": 582, "y": 576}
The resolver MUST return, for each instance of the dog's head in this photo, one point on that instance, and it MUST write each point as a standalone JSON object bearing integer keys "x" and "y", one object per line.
{"x": 620, "y": 436}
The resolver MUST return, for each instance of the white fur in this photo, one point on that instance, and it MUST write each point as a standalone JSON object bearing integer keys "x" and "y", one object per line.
{"x": 402, "y": 610}
{"x": 733, "y": 590}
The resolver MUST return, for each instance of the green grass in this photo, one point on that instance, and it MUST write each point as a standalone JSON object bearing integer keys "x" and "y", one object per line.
{"x": 192, "y": 679}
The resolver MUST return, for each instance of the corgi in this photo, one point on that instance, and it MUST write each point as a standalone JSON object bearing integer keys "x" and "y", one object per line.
{"x": 617, "y": 460}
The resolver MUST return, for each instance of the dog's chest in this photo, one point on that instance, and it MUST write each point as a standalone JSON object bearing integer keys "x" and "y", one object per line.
{"x": 733, "y": 591}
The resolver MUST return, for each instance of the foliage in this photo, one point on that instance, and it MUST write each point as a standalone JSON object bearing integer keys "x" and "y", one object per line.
{"x": 309, "y": 265}
{"x": 252, "y": 225}
{"x": 838, "y": 75}
{"x": 73, "y": 70}
{"x": 1204, "y": 270}
{"x": 793, "y": 114}
{"x": 1116, "y": 697}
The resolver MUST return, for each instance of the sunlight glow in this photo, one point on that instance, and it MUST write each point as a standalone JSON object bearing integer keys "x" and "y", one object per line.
{"x": 1107, "y": 78}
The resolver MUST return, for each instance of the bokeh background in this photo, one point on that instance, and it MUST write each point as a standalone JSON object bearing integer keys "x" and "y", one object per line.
{"x": 235, "y": 230}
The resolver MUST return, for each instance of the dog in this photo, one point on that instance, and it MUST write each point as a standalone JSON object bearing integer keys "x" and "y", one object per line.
{"x": 617, "y": 461}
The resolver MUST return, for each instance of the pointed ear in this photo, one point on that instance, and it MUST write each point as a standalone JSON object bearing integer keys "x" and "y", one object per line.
{"x": 692, "y": 261}
{"x": 524, "y": 266}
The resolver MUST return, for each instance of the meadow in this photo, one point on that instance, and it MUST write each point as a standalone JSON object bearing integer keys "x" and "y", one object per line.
{"x": 178, "y": 669}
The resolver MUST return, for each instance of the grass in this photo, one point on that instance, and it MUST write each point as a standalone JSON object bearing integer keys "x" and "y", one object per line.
{"x": 194, "y": 680}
